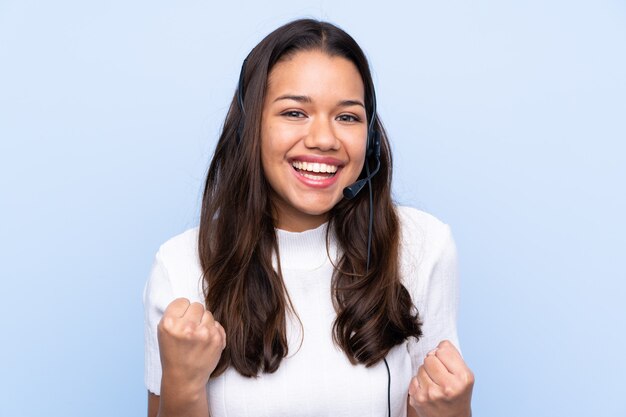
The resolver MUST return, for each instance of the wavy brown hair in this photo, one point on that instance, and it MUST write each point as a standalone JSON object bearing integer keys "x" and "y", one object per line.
{"x": 237, "y": 238}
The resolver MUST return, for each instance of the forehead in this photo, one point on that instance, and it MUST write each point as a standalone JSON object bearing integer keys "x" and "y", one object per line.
{"x": 315, "y": 73}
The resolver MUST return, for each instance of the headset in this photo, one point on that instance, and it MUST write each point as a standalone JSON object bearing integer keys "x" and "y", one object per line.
{"x": 352, "y": 190}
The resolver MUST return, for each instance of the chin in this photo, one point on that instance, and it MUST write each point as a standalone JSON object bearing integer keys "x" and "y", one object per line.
{"x": 319, "y": 208}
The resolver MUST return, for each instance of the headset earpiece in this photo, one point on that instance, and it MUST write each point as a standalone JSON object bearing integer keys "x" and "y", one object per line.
{"x": 373, "y": 144}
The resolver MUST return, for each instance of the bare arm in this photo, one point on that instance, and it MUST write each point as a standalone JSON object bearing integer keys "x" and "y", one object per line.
{"x": 153, "y": 404}
{"x": 174, "y": 408}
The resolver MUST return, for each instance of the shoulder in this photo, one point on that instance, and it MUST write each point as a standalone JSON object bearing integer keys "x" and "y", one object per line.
{"x": 425, "y": 244}
{"x": 179, "y": 247}
{"x": 178, "y": 257}
{"x": 418, "y": 228}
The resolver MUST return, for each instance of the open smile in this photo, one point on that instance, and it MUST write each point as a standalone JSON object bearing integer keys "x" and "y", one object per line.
{"x": 316, "y": 174}
{"x": 315, "y": 170}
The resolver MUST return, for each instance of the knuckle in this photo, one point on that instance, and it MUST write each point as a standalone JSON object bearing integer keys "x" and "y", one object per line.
{"x": 429, "y": 360}
{"x": 188, "y": 330}
{"x": 449, "y": 392}
{"x": 434, "y": 394}
{"x": 445, "y": 345}
{"x": 413, "y": 386}
{"x": 166, "y": 324}
{"x": 216, "y": 338}
{"x": 421, "y": 398}
{"x": 470, "y": 378}
{"x": 203, "y": 334}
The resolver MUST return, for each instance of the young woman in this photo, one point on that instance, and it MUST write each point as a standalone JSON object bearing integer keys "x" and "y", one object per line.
{"x": 305, "y": 291}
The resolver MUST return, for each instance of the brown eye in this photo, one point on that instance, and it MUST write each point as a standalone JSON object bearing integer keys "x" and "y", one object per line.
{"x": 347, "y": 118}
{"x": 293, "y": 114}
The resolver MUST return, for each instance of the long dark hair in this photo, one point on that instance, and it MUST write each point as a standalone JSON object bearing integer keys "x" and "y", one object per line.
{"x": 237, "y": 239}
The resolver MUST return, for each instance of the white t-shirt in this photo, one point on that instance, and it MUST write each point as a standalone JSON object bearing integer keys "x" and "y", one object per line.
{"x": 316, "y": 378}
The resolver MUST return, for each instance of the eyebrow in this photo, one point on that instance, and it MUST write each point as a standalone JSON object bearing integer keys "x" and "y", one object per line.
{"x": 307, "y": 99}
{"x": 301, "y": 99}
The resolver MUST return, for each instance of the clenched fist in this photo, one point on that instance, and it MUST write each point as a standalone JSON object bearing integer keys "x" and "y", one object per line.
{"x": 191, "y": 343}
{"x": 443, "y": 384}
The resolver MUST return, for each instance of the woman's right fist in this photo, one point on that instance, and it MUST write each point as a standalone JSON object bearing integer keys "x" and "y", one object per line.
{"x": 190, "y": 342}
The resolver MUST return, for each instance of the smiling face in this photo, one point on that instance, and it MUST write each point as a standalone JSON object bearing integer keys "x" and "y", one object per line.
{"x": 313, "y": 136}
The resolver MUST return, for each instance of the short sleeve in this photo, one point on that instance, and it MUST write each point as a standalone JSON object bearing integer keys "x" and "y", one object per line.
{"x": 438, "y": 299}
{"x": 156, "y": 296}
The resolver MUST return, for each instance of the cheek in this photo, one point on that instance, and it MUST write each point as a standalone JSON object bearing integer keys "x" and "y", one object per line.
{"x": 357, "y": 154}
{"x": 274, "y": 149}
{"x": 269, "y": 145}
{"x": 275, "y": 141}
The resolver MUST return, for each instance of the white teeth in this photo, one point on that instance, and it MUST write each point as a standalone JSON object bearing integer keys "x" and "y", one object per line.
{"x": 314, "y": 167}
{"x": 314, "y": 177}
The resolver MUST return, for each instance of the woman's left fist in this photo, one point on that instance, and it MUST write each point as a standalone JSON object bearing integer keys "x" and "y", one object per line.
{"x": 443, "y": 384}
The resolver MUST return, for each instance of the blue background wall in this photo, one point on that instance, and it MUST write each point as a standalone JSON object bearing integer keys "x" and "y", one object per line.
{"x": 508, "y": 121}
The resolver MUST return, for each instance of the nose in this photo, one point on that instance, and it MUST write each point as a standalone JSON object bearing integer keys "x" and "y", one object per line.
{"x": 321, "y": 135}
